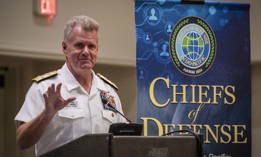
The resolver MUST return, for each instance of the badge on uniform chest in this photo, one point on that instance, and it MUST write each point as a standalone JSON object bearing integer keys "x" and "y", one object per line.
{"x": 73, "y": 104}
{"x": 107, "y": 98}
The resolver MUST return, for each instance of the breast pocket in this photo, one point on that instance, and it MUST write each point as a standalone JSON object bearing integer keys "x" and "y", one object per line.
{"x": 67, "y": 122}
{"x": 110, "y": 116}
{"x": 70, "y": 113}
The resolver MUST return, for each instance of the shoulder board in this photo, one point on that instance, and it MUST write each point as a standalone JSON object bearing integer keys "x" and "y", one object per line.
{"x": 107, "y": 81}
{"x": 44, "y": 76}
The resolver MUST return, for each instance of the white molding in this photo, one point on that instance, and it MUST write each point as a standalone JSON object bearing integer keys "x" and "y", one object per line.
{"x": 16, "y": 51}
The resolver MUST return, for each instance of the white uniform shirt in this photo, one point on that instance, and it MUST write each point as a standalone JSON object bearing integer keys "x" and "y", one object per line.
{"x": 85, "y": 115}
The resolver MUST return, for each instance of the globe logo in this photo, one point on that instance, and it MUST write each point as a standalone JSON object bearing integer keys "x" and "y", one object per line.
{"x": 192, "y": 46}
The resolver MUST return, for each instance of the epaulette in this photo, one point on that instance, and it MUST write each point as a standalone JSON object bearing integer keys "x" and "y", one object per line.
{"x": 44, "y": 76}
{"x": 107, "y": 81}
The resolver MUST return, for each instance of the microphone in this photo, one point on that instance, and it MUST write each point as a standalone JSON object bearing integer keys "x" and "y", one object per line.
{"x": 128, "y": 128}
{"x": 114, "y": 109}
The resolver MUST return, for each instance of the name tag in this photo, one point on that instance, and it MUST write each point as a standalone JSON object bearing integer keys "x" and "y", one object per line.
{"x": 73, "y": 104}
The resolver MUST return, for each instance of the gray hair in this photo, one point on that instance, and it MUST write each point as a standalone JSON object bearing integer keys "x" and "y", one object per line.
{"x": 86, "y": 22}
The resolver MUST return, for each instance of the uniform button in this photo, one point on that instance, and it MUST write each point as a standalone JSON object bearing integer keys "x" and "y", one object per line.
{"x": 72, "y": 116}
{"x": 112, "y": 114}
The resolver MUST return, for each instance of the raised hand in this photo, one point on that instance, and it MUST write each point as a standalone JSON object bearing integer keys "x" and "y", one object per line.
{"x": 53, "y": 99}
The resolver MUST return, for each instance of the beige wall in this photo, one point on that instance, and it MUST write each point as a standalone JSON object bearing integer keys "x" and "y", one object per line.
{"x": 256, "y": 109}
{"x": 24, "y": 34}
{"x": 30, "y": 46}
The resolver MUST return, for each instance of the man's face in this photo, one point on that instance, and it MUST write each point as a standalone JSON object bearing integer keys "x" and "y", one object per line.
{"x": 81, "y": 49}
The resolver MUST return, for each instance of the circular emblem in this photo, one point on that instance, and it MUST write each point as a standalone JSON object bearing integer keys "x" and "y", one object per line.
{"x": 192, "y": 46}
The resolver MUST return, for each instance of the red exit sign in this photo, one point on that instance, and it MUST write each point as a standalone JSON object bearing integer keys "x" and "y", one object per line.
{"x": 45, "y": 7}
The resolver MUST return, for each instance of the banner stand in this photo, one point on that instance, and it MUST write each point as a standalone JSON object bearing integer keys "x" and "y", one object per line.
{"x": 192, "y": 1}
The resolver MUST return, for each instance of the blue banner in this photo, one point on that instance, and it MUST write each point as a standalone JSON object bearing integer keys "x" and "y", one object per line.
{"x": 193, "y": 72}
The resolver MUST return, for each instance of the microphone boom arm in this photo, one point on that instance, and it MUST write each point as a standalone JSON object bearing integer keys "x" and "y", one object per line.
{"x": 118, "y": 112}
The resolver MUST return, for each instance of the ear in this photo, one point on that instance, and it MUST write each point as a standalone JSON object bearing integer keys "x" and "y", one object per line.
{"x": 64, "y": 46}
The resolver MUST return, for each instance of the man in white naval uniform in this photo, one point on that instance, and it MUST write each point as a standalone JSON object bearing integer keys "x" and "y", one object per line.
{"x": 63, "y": 105}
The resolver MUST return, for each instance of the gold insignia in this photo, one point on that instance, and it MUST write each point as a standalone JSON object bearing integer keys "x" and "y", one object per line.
{"x": 44, "y": 76}
{"x": 107, "y": 81}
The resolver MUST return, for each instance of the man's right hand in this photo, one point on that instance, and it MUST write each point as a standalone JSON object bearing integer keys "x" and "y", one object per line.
{"x": 28, "y": 133}
{"x": 53, "y": 99}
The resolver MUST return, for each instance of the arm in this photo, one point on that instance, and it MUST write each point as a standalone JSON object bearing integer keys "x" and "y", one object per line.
{"x": 28, "y": 133}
